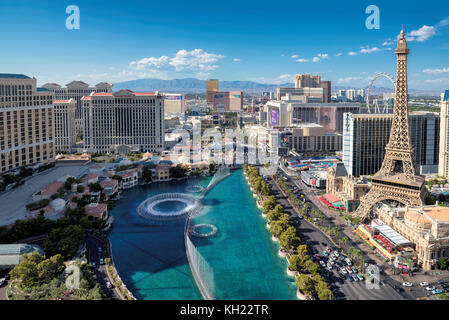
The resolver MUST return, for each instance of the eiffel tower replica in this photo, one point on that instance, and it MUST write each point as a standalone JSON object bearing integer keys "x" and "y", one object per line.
{"x": 397, "y": 178}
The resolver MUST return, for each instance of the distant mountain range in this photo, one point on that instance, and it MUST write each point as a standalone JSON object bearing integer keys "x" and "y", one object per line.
{"x": 192, "y": 85}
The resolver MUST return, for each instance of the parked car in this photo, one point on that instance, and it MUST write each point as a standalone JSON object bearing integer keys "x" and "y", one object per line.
{"x": 94, "y": 264}
{"x": 108, "y": 285}
{"x": 354, "y": 269}
{"x": 322, "y": 263}
{"x": 343, "y": 270}
{"x": 336, "y": 253}
{"x": 2, "y": 281}
{"x": 101, "y": 261}
{"x": 355, "y": 277}
{"x": 424, "y": 284}
{"x": 437, "y": 291}
{"x": 348, "y": 262}
{"x": 328, "y": 249}
{"x": 361, "y": 278}
{"x": 348, "y": 276}
{"x": 430, "y": 288}
{"x": 348, "y": 269}
{"x": 407, "y": 284}
{"x": 325, "y": 253}
{"x": 100, "y": 249}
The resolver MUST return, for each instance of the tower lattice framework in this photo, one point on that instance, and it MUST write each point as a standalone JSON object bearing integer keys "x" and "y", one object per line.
{"x": 397, "y": 178}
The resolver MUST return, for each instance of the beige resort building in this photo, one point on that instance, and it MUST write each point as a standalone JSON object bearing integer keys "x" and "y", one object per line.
{"x": 65, "y": 137}
{"x": 426, "y": 227}
{"x": 26, "y": 122}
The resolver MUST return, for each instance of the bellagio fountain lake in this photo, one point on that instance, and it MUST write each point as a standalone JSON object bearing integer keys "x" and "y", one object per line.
{"x": 201, "y": 238}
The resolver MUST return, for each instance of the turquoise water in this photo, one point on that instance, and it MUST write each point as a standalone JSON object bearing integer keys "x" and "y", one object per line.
{"x": 151, "y": 259}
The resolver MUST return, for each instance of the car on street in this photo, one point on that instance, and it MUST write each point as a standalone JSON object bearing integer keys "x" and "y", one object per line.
{"x": 322, "y": 263}
{"x": 361, "y": 278}
{"x": 100, "y": 249}
{"x": 101, "y": 261}
{"x": 343, "y": 270}
{"x": 354, "y": 269}
{"x": 2, "y": 281}
{"x": 325, "y": 253}
{"x": 407, "y": 284}
{"x": 430, "y": 288}
{"x": 348, "y": 276}
{"x": 355, "y": 277}
{"x": 440, "y": 281}
{"x": 437, "y": 291}
{"x": 94, "y": 264}
{"x": 424, "y": 284}
{"x": 348, "y": 269}
{"x": 108, "y": 285}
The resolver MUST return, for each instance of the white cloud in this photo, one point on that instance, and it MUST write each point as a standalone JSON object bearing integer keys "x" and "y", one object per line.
{"x": 320, "y": 56}
{"x": 367, "y": 49}
{"x": 196, "y": 59}
{"x": 295, "y": 56}
{"x": 236, "y": 60}
{"x": 150, "y": 62}
{"x": 338, "y": 54}
{"x": 436, "y": 71}
{"x": 438, "y": 81}
{"x": 388, "y": 42}
{"x": 302, "y": 60}
{"x": 348, "y": 80}
{"x": 323, "y": 55}
{"x": 422, "y": 34}
{"x": 352, "y": 53}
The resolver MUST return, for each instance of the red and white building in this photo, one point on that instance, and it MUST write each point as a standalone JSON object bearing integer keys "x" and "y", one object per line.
{"x": 123, "y": 120}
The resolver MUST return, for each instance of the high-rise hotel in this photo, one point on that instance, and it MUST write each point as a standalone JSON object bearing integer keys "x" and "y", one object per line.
{"x": 65, "y": 137}
{"x": 123, "y": 120}
{"x": 77, "y": 90}
{"x": 26, "y": 122}
{"x": 443, "y": 169}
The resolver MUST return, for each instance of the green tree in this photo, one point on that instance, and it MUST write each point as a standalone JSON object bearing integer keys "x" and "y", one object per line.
{"x": 289, "y": 238}
{"x": 50, "y": 268}
{"x": 305, "y": 284}
{"x": 269, "y": 204}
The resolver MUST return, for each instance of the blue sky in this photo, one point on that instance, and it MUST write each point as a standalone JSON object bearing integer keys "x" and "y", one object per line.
{"x": 264, "y": 41}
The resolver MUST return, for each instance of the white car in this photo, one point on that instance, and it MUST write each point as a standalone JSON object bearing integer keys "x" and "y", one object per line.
{"x": 101, "y": 261}
{"x": 430, "y": 288}
{"x": 424, "y": 284}
{"x": 343, "y": 270}
{"x": 2, "y": 281}
{"x": 336, "y": 253}
{"x": 407, "y": 284}
{"x": 322, "y": 263}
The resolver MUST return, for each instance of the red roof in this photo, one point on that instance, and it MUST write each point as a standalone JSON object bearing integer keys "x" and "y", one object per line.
{"x": 96, "y": 209}
{"x": 51, "y": 188}
{"x": 61, "y": 101}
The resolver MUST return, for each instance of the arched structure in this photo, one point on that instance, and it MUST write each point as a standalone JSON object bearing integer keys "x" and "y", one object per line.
{"x": 377, "y": 76}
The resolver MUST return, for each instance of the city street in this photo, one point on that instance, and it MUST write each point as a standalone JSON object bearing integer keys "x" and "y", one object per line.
{"x": 315, "y": 239}
{"x": 100, "y": 269}
{"x": 12, "y": 202}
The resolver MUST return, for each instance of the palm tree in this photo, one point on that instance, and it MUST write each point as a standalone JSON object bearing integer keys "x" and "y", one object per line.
{"x": 344, "y": 240}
